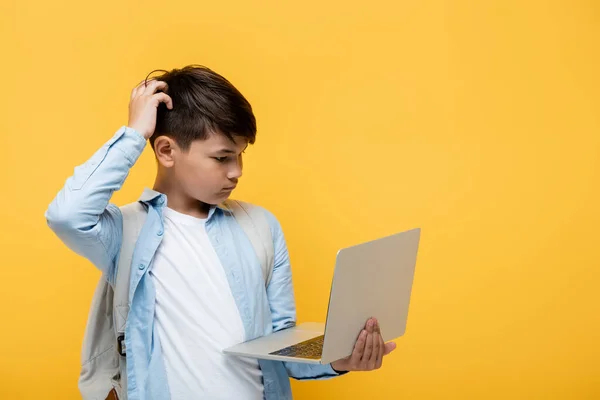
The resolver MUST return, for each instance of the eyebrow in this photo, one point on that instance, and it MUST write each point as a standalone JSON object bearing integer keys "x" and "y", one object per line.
{"x": 229, "y": 151}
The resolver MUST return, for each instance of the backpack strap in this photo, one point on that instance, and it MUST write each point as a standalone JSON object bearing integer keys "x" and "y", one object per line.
{"x": 134, "y": 216}
{"x": 253, "y": 221}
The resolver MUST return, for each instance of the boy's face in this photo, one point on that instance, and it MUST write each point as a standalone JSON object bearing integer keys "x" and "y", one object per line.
{"x": 209, "y": 170}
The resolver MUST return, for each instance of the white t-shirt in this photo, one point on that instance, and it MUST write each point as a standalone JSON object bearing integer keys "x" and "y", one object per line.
{"x": 197, "y": 317}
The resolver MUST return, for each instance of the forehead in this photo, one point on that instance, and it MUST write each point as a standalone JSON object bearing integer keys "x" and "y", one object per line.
{"x": 217, "y": 141}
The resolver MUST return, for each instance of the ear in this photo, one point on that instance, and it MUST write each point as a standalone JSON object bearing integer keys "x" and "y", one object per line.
{"x": 165, "y": 149}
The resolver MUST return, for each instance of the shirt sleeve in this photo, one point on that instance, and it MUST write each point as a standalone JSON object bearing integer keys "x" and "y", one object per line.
{"x": 80, "y": 214}
{"x": 280, "y": 293}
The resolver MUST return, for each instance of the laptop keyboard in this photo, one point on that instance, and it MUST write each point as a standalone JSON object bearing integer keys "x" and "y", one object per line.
{"x": 311, "y": 349}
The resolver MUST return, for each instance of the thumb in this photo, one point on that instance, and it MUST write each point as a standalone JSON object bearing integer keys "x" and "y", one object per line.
{"x": 389, "y": 347}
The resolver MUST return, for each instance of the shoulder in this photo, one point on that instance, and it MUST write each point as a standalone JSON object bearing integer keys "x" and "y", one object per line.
{"x": 254, "y": 208}
{"x": 131, "y": 211}
{"x": 136, "y": 206}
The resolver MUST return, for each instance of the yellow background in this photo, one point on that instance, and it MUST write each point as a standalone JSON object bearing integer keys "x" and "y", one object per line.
{"x": 475, "y": 120}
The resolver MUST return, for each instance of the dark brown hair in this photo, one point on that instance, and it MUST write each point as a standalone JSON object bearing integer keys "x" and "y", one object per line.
{"x": 204, "y": 103}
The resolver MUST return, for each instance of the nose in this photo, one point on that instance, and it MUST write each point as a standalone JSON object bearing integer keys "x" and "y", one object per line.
{"x": 235, "y": 172}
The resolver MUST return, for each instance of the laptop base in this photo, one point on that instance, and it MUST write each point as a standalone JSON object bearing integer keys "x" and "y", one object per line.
{"x": 262, "y": 347}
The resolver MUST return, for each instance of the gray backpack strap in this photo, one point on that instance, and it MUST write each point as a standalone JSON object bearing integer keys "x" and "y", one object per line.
{"x": 134, "y": 216}
{"x": 99, "y": 360}
{"x": 102, "y": 369}
{"x": 253, "y": 221}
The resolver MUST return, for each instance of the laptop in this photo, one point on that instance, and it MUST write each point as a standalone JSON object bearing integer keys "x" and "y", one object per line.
{"x": 372, "y": 279}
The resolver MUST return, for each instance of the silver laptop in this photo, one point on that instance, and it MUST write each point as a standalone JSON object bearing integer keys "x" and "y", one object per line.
{"x": 372, "y": 279}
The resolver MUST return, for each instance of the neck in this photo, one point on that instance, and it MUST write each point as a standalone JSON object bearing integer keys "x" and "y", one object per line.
{"x": 178, "y": 200}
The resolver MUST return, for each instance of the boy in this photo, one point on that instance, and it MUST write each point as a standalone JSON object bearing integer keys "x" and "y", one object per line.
{"x": 195, "y": 287}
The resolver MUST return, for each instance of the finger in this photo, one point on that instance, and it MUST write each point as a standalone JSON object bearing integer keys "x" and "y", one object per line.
{"x": 389, "y": 347}
{"x": 379, "y": 361}
{"x": 371, "y": 325}
{"x": 378, "y": 330}
{"x": 138, "y": 88}
{"x": 368, "y": 344}
{"x": 155, "y": 85}
{"x": 376, "y": 343}
{"x": 359, "y": 347}
{"x": 376, "y": 350}
{"x": 163, "y": 98}
{"x": 368, "y": 350}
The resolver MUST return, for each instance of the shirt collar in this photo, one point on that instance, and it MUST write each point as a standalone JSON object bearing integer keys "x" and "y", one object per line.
{"x": 152, "y": 196}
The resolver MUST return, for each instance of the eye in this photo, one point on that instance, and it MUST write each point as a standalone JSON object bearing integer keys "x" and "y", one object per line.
{"x": 220, "y": 159}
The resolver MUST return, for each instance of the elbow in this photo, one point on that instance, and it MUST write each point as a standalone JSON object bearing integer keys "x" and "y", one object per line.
{"x": 59, "y": 218}
{"x": 63, "y": 216}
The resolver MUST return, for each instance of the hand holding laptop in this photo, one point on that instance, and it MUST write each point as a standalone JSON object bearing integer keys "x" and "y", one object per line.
{"x": 387, "y": 264}
{"x": 368, "y": 352}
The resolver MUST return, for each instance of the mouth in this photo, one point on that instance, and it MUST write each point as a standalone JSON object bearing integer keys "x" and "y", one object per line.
{"x": 229, "y": 189}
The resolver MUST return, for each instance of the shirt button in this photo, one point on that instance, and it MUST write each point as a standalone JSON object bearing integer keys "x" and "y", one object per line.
{"x": 160, "y": 201}
{"x": 141, "y": 266}
{"x": 160, "y": 232}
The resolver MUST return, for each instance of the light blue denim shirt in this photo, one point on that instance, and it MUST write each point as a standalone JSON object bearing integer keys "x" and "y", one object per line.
{"x": 82, "y": 217}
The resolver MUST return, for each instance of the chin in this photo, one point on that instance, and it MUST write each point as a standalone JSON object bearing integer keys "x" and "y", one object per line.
{"x": 212, "y": 199}
{"x": 219, "y": 198}
{"x": 225, "y": 196}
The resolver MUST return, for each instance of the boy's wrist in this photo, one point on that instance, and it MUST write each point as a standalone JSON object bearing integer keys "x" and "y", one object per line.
{"x": 133, "y": 131}
{"x": 338, "y": 372}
